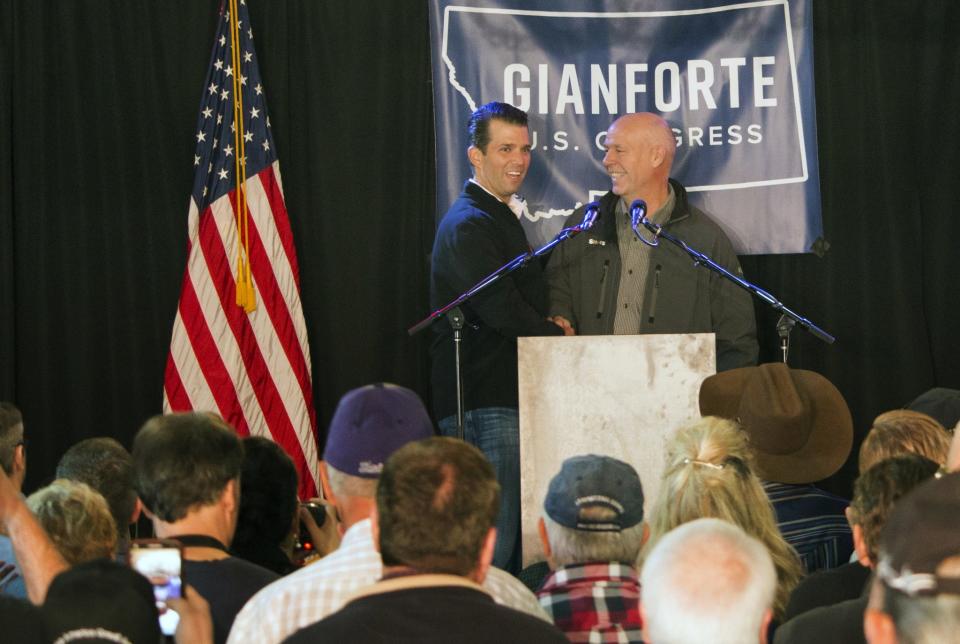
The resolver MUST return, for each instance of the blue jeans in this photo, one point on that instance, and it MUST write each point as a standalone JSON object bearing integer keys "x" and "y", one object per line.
{"x": 495, "y": 431}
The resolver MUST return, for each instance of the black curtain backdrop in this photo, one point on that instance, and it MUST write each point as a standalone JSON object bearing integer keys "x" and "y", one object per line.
{"x": 98, "y": 105}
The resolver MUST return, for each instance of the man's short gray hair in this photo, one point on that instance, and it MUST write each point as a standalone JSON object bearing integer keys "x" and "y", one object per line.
{"x": 569, "y": 546}
{"x": 928, "y": 620}
{"x": 345, "y": 485}
{"x": 919, "y": 620}
{"x": 707, "y": 580}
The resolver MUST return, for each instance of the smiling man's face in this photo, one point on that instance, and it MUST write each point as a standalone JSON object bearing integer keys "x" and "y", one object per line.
{"x": 502, "y": 167}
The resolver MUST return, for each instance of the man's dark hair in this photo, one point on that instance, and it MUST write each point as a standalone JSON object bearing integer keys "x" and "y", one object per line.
{"x": 104, "y": 464}
{"x": 184, "y": 460}
{"x": 877, "y": 490}
{"x": 479, "y": 125}
{"x": 268, "y": 501}
{"x": 436, "y": 502}
{"x": 11, "y": 434}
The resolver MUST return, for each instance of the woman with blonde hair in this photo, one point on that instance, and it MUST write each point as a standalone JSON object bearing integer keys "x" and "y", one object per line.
{"x": 78, "y": 520}
{"x": 708, "y": 474}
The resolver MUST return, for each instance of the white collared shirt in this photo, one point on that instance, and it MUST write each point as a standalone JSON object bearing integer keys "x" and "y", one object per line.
{"x": 310, "y": 594}
{"x": 516, "y": 204}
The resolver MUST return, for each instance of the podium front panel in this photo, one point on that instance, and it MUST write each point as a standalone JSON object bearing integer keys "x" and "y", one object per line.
{"x": 614, "y": 395}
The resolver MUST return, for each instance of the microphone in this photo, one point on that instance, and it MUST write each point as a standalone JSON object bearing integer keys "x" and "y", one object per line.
{"x": 590, "y": 216}
{"x": 638, "y": 212}
{"x": 638, "y": 217}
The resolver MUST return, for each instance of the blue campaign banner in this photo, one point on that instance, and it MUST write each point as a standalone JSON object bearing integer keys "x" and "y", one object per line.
{"x": 734, "y": 80}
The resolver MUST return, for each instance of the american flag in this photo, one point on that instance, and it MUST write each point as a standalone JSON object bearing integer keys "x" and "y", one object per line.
{"x": 249, "y": 362}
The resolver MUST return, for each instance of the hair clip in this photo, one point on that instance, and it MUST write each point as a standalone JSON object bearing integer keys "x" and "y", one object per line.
{"x": 907, "y": 581}
{"x": 693, "y": 461}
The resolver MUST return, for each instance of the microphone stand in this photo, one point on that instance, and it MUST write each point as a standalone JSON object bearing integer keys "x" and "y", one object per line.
{"x": 784, "y": 327}
{"x": 788, "y": 318}
{"x": 455, "y": 315}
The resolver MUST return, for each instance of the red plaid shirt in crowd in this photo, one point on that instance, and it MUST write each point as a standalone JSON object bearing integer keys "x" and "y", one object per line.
{"x": 594, "y": 602}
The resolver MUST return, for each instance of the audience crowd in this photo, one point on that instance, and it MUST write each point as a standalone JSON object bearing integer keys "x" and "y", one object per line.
{"x": 740, "y": 544}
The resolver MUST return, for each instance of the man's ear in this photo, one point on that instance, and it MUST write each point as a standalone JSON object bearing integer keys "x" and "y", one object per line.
{"x": 330, "y": 497}
{"x": 137, "y": 509}
{"x": 657, "y": 155}
{"x": 765, "y": 625}
{"x": 878, "y": 627}
{"x": 646, "y": 535}
{"x": 545, "y": 541}
{"x": 475, "y": 156}
{"x": 19, "y": 458}
{"x": 231, "y": 496}
{"x": 860, "y": 545}
{"x": 325, "y": 484}
{"x": 486, "y": 556}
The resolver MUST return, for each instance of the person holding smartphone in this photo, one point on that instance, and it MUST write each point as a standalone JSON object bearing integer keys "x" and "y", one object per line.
{"x": 187, "y": 474}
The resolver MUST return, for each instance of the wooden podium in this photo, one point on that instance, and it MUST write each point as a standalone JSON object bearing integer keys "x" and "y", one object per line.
{"x": 615, "y": 395}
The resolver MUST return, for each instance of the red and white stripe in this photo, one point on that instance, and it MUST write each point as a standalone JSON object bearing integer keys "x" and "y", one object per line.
{"x": 253, "y": 369}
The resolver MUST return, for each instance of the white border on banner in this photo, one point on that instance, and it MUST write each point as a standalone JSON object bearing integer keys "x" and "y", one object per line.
{"x": 452, "y": 76}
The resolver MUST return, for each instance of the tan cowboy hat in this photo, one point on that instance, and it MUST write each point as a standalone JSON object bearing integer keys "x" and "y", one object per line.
{"x": 799, "y": 425}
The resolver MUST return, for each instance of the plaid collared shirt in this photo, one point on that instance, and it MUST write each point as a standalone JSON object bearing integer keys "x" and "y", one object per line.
{"x": 594, "y": 602}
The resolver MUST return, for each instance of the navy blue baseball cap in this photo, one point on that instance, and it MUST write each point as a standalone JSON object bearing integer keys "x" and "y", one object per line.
{"x": 585, "y": 483}
{"x": 370, "y": 424}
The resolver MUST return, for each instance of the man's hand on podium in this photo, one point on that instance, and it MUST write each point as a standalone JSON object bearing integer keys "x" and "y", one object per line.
{"x": 564, "y": 324}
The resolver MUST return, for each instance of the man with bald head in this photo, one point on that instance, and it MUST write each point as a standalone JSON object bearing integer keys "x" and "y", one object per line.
{"x": 606, "y": 281}
{"x": 707, "y": 581}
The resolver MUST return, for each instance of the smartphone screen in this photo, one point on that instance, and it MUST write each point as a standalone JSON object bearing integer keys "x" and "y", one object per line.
{"x": 160, "y": 561}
